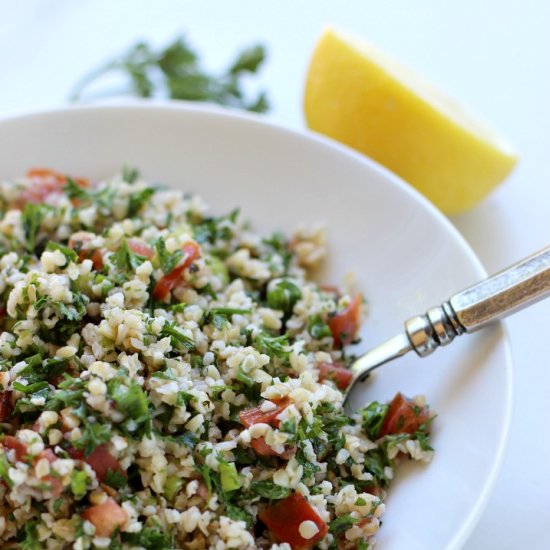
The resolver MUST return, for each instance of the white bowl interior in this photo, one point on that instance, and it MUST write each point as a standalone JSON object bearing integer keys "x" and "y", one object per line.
{"x": 405, "y": 255}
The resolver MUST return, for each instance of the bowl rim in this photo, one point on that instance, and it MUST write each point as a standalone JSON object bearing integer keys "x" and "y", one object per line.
{"x": 258, "y": 120}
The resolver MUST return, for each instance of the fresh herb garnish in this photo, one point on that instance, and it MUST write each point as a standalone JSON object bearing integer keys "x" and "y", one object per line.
{"x": 175, "y": 72}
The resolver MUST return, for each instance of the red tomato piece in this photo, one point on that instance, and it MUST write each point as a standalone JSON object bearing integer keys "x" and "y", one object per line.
{"x": 46, "y": 174}
{"x": 262, "y": 448}
{"x": 141, "y": 248}
{"x": 167, "y": 283}
{"x": 106, "y": 517}
{"x": 45, "y": 183}
{"x": 20, "y": 448}
{"x": 102, "y": 462}
{"x": 340, "y": 375}
{"x": 284, "y": 518}
{"x": 78, "y": 241}
{"x": 255, "y": 415}
{"x": 345, "y": 324}
{"x": 6, "y": 407}
{"x": 76, "y": 454}
{"x": 403, "y": 416}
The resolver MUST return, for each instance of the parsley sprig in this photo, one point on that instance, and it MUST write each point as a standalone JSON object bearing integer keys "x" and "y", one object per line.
{"x": 176, "y": 72}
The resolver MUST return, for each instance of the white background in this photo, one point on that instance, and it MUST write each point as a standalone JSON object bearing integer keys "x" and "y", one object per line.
{"x": 492, "y": 55}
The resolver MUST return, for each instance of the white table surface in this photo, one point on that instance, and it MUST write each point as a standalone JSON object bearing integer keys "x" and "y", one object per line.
{"x": 493, "y": 55}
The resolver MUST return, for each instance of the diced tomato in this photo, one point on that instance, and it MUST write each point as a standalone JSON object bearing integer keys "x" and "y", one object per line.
{"x": 6, "y": 407}
{"x": 46, "y": 174}
{"x": 106, "y": 517}
{"x": 165, "y": 285}
{"x": 403, "y": 416}
{"x": 45, "y": 182}
{"x": 284, "y": 518}
{"x": 76, "y": 454}
{"x": 102, "y": 462}
{"x": 340, "y": 375}
{"x": 20, "y": 448}
{"x": 141, "y": 248}
{"x": 262, "y": 448}
{"x": 346, "y": 323}
{"x": 95, "y": 255}
{"x": 255, "y": 415}
{"x": 78, "y": 241}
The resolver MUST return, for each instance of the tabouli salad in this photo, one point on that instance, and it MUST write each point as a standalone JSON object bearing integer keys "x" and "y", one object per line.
{"x": 169, "y": 379}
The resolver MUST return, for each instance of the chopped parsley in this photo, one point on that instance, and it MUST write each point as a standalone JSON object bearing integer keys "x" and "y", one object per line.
{"x": 168, "y": 260}
{"x": 268, "y": 489}
{"x": 373, "y": 416}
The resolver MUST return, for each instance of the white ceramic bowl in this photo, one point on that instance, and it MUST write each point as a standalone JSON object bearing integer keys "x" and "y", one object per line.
{"x": 405, "y": 254}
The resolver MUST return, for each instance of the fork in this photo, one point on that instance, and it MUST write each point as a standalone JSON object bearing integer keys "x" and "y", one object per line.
{"x": 470, "y": 310}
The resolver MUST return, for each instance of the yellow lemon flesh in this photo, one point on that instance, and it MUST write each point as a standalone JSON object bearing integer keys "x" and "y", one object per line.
{"x": 357, "y": 95}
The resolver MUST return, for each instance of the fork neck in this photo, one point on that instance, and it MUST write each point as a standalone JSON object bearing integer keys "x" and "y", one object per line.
{"x": 438, "y": 327}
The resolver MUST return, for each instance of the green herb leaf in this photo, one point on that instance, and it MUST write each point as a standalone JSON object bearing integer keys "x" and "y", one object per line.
{"x": 373, "y": 418}
{"x": 340, "y": 525}
{"x": 178, "y": 340}
{"x": 32, "y": 217}
{"x": 31, "y": 388}
{"x": 115, "y": 479}
{"x": 131, "y": 401}
{"x": 274, "y": 346}
{"x": 138, "y": 200}
{"x": 268, "y": 489}
{"x": 182, "y": 75}
{"x": 30, "y": 541}
{"x": 168, "y": 260}
{"x": 130, "y": 175}
{"x": 70, "y": 254}
{"x": 150, "y": 538}
{"x": 238, "y": 514}
{"x": 126, "y": 260}
{"x": 93, "y": 435}
{"x": 4, "y": 467}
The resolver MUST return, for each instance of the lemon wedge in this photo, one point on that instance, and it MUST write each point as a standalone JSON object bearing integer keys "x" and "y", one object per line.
{"x": 361, "y": 97}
